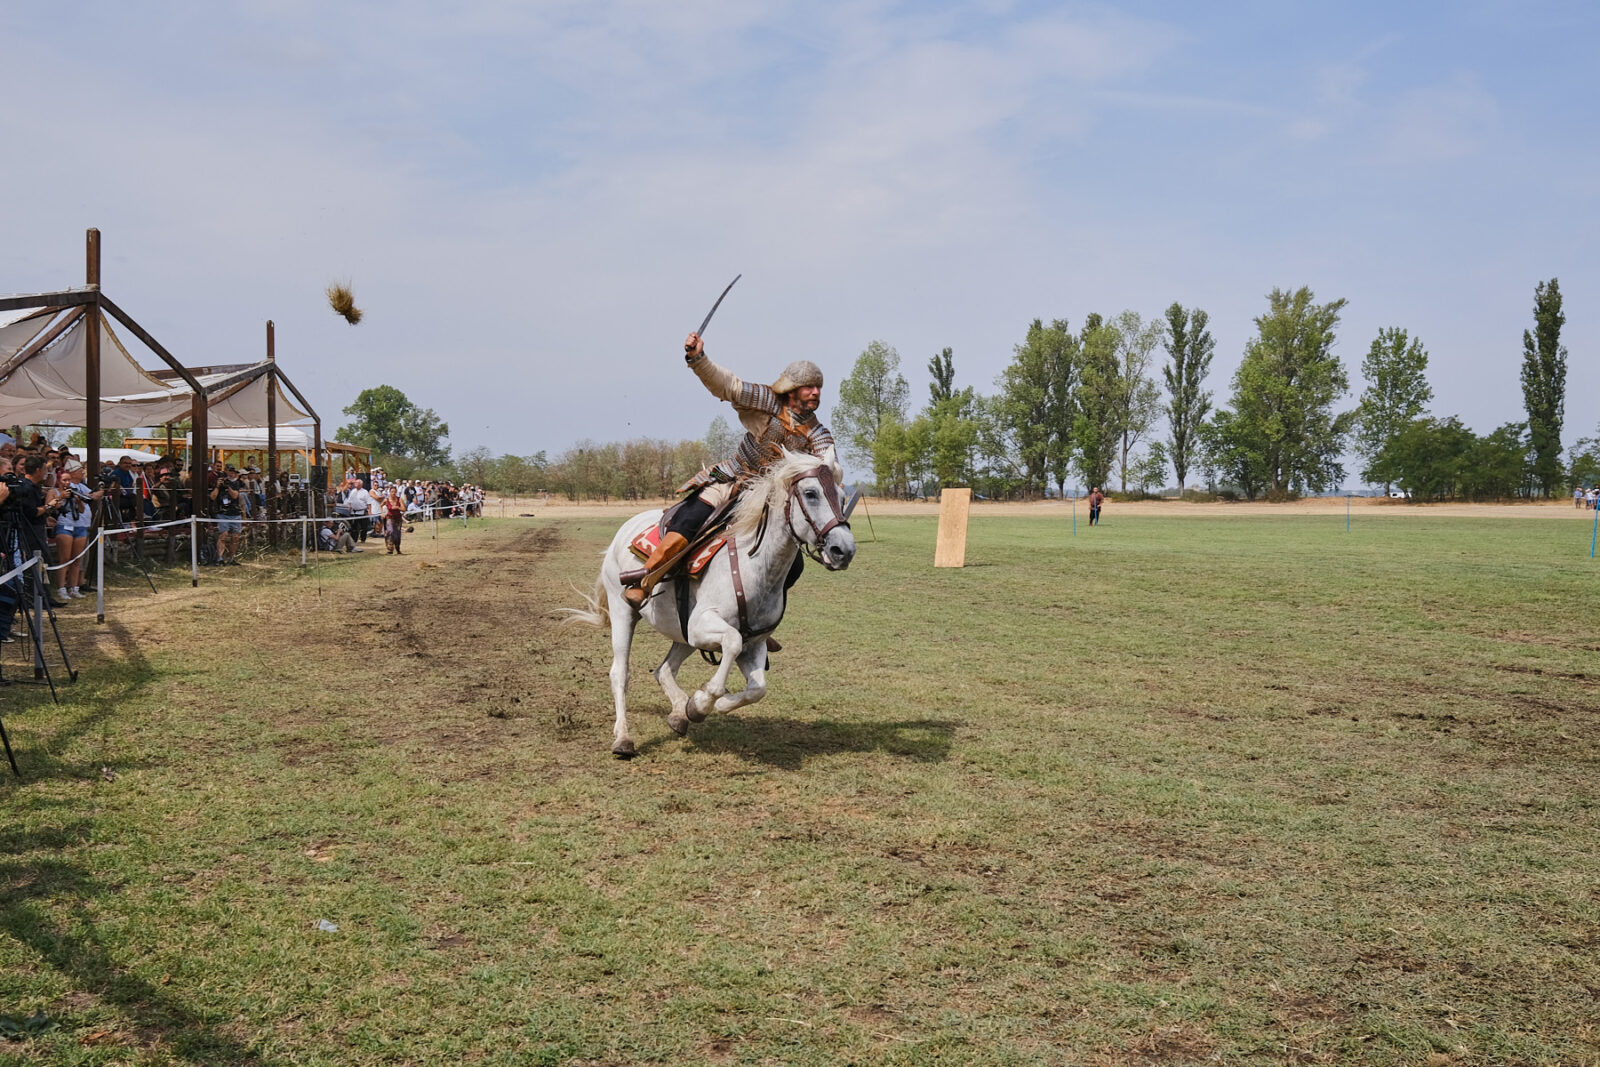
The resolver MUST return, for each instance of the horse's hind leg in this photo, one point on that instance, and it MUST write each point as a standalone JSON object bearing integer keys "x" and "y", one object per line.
{"x": 753, "y": 665}
{"x": 623, "y": 621}
{"x": 667, "y": 676}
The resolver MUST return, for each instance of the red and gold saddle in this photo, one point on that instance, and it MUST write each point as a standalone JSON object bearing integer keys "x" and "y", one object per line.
{"x": 646, "y": 542}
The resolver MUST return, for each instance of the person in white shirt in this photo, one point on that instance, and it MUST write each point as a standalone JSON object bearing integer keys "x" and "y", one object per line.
{"x": 359, "y": 503}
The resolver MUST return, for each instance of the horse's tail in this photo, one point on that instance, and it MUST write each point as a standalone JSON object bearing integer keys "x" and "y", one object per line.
{"x": 597, "y": 606}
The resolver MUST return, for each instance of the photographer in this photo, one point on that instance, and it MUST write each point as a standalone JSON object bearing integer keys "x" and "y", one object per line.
{"x": 24, "y": 507}
{"x": 228, "y": 496}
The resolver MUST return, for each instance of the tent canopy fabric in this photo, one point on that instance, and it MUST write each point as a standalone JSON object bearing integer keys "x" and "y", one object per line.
{"x": 51, "y": 387}
{"x": 254, "y": 439}
{"x": 114, "y": 455}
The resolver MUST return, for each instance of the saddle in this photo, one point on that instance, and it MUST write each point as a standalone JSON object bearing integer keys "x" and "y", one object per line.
{"x": 694, "y": 561}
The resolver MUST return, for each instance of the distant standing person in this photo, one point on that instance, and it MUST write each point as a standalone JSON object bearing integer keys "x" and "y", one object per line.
{"x": 1096, "y": 498}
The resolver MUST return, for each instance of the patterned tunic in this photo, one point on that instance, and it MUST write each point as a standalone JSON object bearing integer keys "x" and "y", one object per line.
{"x": 770, "y": 427}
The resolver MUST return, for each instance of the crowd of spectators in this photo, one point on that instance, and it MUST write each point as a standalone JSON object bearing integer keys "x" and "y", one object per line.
{"x": 390, "y": 507}
{"x": 55, "y": 504}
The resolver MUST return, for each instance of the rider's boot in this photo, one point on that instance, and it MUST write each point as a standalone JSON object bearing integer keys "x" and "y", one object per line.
{"x": 640, "y": 582}
{"x": 773, "y": 646}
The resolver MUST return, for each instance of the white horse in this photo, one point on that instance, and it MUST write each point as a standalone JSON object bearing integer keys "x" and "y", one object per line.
{"x": 737, "y": 600}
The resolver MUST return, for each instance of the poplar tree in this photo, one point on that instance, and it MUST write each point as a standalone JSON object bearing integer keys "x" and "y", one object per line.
{"x": 1396, "y": 369}
{"x": 1189, "y": 350}
{"x": 1544, "y": 384}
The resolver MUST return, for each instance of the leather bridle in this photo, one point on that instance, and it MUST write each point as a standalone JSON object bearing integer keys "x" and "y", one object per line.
{"x": 830, "y": 492}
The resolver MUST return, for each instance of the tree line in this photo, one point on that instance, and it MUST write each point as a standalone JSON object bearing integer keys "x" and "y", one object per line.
{"x": 409, "y": 441}
{"x": 1087, "y": 407}
{"x": 1121, "y": 403}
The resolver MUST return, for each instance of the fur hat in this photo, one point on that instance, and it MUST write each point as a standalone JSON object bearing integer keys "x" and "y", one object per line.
{"x": 800, "y": 372}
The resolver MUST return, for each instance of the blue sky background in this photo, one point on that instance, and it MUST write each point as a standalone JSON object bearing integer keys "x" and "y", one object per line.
{"x": 534, "y": 202}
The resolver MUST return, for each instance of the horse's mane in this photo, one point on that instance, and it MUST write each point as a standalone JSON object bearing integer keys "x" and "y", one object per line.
{"x": 767, "y": 492}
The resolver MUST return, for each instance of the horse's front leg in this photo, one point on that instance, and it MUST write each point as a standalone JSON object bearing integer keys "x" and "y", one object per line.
{"x": 753, "y": 665}
{"x": 705, "y": 629}
{"x": 667, "y": 676}
{"x": 623, "y": 621}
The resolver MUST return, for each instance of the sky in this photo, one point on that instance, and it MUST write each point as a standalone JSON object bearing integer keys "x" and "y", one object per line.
{"x": 534, "y": 202}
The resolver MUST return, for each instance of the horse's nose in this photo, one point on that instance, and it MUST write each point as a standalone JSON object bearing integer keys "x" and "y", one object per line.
{"x": 839, "y": 551}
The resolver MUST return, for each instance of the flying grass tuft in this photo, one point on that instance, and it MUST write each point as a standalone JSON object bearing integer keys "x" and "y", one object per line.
{"x": 344, "y": 302}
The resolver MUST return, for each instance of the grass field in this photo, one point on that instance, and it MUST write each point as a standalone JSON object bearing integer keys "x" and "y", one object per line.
{"x": 1231, "y": 790}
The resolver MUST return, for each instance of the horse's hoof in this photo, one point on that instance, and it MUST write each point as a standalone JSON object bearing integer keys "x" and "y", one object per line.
{"x": 679, "y": 723}
{"x": 624, "y": 749}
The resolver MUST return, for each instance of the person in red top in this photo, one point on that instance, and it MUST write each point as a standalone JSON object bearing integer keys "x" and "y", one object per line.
{"x": 1096, "y": 498}
{"x": 394, "y": 519}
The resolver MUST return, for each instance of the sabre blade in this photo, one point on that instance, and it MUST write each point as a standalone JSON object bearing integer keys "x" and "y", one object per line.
{"x": 850, "y": 506}
{"x": 701, "y": 331}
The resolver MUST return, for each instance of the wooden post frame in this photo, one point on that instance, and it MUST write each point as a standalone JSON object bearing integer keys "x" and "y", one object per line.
{"x": 951, "y": 548}
{"x": 91, "y": 360}
{"x": 271, "y": 494}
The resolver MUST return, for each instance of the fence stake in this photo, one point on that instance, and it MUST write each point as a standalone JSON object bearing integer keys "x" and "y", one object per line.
{"x": 100, "y": 572}
{"x": 194, "y": 551}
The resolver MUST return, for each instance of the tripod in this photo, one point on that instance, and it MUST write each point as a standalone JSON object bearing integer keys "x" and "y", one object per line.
{"x": 19, "y": 541}
{"x": 108, "y": 513}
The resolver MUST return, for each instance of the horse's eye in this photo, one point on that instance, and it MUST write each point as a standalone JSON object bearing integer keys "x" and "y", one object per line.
{"x": 811, "y": 494}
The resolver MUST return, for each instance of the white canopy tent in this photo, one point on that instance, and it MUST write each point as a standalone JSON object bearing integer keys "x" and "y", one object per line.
{"x": 50, "y": 385}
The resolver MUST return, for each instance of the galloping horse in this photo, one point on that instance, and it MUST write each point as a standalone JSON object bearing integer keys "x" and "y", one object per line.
{"x": 738, "y": 598}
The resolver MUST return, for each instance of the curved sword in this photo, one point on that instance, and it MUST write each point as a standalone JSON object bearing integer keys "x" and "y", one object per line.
{"x": 701, "y": 331}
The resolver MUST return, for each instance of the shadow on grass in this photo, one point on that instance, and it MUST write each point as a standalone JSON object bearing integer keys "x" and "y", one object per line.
{"x": 48, "y": 896}
{"x": 788, "y": 743}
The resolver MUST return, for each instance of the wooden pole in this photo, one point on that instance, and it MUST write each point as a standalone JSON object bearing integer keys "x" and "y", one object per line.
{"x": 199, "y": 454}
{"x": 272, "y": 440}
{"x": 320, "y": 496}
{"x": 91, "y": 358}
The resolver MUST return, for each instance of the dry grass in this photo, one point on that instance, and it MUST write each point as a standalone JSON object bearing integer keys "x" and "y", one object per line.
{"x": 343, "y": 301}
{"x": 1221, "y": 792}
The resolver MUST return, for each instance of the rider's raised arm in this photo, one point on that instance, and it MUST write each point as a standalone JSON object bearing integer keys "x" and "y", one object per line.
{"x": 723, "y": 383}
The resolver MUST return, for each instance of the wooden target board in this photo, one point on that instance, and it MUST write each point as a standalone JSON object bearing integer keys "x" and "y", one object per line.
{"x": 951, "y": 548}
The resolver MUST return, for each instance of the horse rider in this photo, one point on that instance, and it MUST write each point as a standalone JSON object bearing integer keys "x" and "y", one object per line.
{"x": 776, "y": 417}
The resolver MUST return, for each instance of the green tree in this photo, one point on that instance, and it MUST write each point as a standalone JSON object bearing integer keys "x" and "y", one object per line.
{"x": 1095, "y": 435}
{"x": 1500, "y": 465}
{"x": 721, "y": 440}
{"x": 1397, "y": 393}
{"x": 1440, "y": 459}
{"x": 1034, "y": 401}
{"x": 942, "y": 369}
{"x": 1136, "y": 401}
{"x": 1231, "y": 450}
{"x": 1189, "y": 351}
{"x": 521, "y": 475}
{"x": 1150, "y": 472}
{"x": 387, "y": 422}
{"x": 79, "y": 438}
{"x": 476, "y": 465}
{"x": 1583, "y": 462}
{"x": 1283, "y": 395}
{"x": 1544, "y": 384}
{"x": 875, "y": 393}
